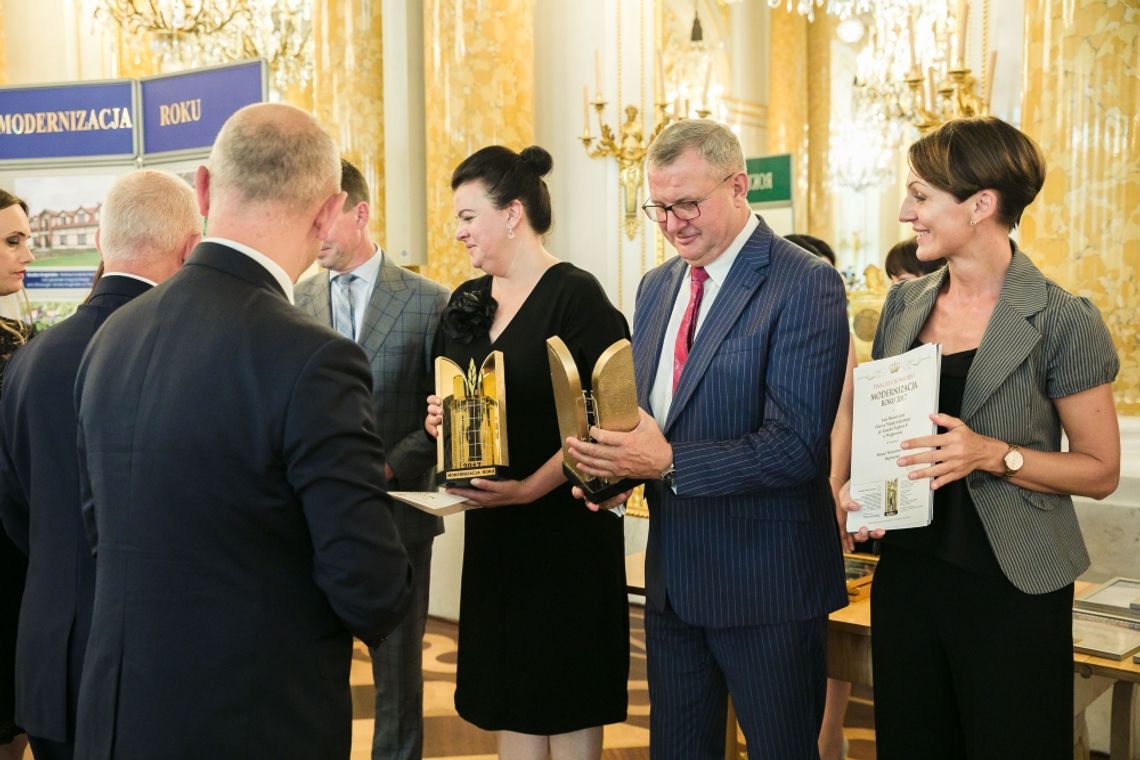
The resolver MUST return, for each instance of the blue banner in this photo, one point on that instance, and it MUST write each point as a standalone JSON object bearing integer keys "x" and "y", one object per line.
{"x": 56, "y": 279}
{"x": 68, "y": 121}
{"x": 185, "y": 111}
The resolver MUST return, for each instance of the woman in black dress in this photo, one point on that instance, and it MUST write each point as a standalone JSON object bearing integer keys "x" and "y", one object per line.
{"x": 544, "y": 621}
{"x": 15, "y": 255}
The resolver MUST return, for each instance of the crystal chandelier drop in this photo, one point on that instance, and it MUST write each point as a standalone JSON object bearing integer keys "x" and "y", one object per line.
{"x": 839, "y": 8}
{"x": 194, "y": 33}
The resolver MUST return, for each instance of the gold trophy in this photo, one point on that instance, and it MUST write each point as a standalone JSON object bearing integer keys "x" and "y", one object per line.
{"x": 610, "y": 404}
{"x": 472, "y": 441}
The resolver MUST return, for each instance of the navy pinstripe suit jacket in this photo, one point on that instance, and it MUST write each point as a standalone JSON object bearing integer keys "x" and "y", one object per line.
{"x": 749, "y": 537}
{"x": 1041, "y": 343}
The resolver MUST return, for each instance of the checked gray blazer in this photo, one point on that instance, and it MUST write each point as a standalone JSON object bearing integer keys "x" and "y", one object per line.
{"x": 397, "y": 334}
{"x": 1041, "y": 343}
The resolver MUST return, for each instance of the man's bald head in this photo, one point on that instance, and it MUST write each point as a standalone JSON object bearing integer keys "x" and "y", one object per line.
{"x": 271, "y": 153}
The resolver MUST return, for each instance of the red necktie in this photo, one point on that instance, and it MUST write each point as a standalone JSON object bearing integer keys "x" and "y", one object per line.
{"x": 697, "y": 279}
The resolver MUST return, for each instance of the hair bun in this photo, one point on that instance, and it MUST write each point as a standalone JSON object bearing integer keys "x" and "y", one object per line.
{"x": 538, "y": 159}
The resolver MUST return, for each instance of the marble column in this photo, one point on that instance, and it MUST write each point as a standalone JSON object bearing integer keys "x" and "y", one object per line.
{"x": 347, "y": 95}
{"x": 479, "y": 90}
{"x": 1080, "y": 100}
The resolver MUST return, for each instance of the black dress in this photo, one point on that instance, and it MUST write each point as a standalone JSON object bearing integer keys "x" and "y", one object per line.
{"x": 13, "y": 569}
{"x": 544, "y": 619}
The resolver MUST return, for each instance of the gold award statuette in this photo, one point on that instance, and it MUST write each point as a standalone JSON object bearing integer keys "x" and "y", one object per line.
{"x": 472, "y": 441}
{"x": 611, "y": 404}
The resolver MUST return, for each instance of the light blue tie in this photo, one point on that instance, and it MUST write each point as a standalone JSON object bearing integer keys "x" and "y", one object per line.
{"x": 344, "y": 316}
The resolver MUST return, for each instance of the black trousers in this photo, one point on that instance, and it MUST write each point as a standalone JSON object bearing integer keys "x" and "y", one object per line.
{"x": 966, "y": 665}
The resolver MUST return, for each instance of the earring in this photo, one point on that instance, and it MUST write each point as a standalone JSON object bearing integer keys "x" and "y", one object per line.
{"x": 510, "y": 232}
{"x": 973, "y": 221}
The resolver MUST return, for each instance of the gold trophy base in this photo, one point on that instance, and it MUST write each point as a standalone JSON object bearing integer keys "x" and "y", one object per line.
{"x": 462, "y": 477}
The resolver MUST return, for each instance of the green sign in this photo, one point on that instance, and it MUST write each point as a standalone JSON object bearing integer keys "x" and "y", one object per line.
{"x": 770, "y": 180}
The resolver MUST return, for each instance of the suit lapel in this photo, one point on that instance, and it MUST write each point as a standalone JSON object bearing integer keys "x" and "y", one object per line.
{"x": 748, "y": 272}
{"x": 322, "y": 299}
{"x": 647, "y": 351}
{"x": 389, "y": 297}
{"x": 918, "y": 303}
{"x": 1009, "y": 336}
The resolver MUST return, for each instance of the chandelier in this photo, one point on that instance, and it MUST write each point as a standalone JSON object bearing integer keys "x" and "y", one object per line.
{"x": 840, "y": 8}
{"x": 911, "y": 72}
{"x": 194, "y": 33}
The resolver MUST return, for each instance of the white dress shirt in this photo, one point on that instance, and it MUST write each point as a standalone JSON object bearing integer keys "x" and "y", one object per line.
{"x": 367, "y": 275}
{"x": 661, "y": 394}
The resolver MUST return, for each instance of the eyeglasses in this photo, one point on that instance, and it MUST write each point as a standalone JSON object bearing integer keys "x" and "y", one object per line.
{"x": 685, "y": 211}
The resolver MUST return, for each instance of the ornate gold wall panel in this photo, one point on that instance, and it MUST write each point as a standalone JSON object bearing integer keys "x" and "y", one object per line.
{"x": 788, "y": 101}
{"x": 479, "y": 90}
{"x": 348, "y": 89}
{"x": 820, "y": 33}
{"x": 1081, "y": 100}
{"x": 3, "y": 48}
{"x": 799, "y": 111}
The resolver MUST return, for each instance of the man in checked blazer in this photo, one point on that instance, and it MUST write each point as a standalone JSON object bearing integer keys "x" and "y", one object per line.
{"x": 740, "y": 345}
{"x": 393, "y": 316}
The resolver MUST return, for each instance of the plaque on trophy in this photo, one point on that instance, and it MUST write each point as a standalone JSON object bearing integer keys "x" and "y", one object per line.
{"x": 472, "y": 441}
{"x": 610, "y": 403}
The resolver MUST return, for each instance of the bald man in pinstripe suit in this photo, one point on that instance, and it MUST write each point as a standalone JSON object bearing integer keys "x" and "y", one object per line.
{"x": 740, "y": 345}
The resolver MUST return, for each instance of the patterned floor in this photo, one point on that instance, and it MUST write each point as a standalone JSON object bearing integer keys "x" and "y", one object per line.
{"x": 446, "y": 735}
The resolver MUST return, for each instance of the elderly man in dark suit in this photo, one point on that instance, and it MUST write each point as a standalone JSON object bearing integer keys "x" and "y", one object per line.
{"x": 392, "y": 313}
{"x": 740, "y": 345}
{"x": 236, "y": 482}
{"x": 148, "y": 225}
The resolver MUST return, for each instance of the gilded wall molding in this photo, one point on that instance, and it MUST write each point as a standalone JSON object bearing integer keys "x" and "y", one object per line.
{"x": 347, "y": 92}
{"x": 3, "y": 49}
{"x": 479, "y": 90}
{"x": 799, "y": 109}
{"x": 1083, "y": 230}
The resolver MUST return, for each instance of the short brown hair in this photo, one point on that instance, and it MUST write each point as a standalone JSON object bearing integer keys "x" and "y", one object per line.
{"x": 353, "y": 183}
{"x": 964, "y": 156}
{"x": 714, "y": 142}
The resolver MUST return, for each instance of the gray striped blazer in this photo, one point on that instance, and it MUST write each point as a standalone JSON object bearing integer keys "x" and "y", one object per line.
{"x": 1041, "y": 343}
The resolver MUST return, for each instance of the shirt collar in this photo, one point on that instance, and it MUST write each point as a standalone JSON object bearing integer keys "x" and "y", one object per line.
{"x": 138, "y": 277}
{"x": 718, "y": 269}
{"x": 369, "y": 271}
{"x": 270, "y": 265}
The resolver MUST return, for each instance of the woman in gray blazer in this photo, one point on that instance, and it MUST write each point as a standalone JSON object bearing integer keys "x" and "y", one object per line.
{"x": 972, "y": 637}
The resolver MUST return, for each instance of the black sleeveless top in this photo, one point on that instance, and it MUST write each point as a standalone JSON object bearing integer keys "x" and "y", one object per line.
{"x": 956, "y": 534}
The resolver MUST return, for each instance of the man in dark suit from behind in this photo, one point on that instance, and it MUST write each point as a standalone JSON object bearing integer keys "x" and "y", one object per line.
{"x": 236, "y": 495}
{"x": 148, "y": 224}
{"x": 392, "y": 313}
{"x": 740, "y": 345}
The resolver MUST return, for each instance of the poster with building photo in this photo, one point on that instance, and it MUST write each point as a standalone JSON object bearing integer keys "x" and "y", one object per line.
{"x": 63, "y": 216}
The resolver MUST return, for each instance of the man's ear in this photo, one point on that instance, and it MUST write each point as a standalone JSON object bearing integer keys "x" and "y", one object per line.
{"x": 327, "y": 214}
{"x": 99, "y": 241}
{"x": 202, "y": 190}
{"x": 363, "y": 214}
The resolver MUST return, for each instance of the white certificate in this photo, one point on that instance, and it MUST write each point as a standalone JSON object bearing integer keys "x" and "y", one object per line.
{"x": 438, "y": 503}
{"x": 894, "y": 398}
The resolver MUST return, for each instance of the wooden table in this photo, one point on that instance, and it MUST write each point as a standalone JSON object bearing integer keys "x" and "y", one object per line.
{"x": 849, "y": 659}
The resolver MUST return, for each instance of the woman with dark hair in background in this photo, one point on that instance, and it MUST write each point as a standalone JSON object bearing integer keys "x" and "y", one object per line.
{"x": 902, "y": 262}
{"x": 15, "y": 255}
{"x": 544, "y": 620}
{"x": 972, "y": 614}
